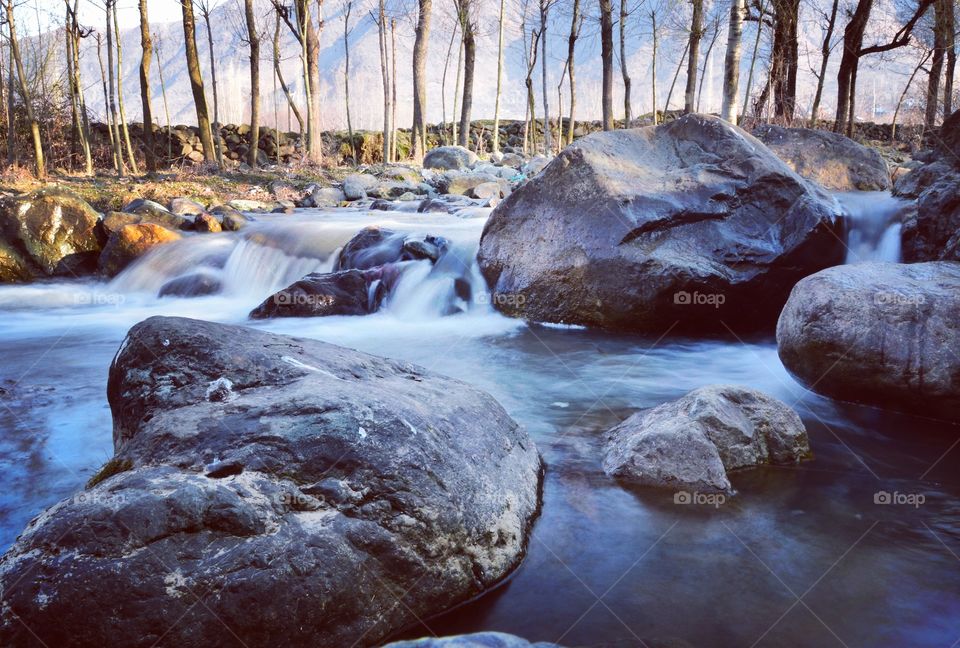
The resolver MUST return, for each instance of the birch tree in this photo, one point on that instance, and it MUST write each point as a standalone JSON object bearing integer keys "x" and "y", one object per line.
{"x": 420, "y": 45}
{"x": 731, "y": 62}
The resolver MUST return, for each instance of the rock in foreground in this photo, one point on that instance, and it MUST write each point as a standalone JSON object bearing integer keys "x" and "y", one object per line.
{"x": 476, "y": 640}
{"x": 692, "y": 443}
{"x": 276, "y": 490}
{"x": 830, "y": 159}
{"x": 692, "y": 225}
{"x": 884, "y": 334}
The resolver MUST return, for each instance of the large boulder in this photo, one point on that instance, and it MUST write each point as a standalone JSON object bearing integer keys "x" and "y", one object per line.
{"x": 475, "y": 640}
{"x": 269, "y": 490}
{"x": 930, "y": 226}
{"x": 884, "y": 334}
{"x": 130, "y": 242}
{"x": 692, "y": 442}
{"x": 693, "y": 225}
{"x": 49, "y": 232}
{"x": 832, "y": 160}
{"x": 449, "y": 158}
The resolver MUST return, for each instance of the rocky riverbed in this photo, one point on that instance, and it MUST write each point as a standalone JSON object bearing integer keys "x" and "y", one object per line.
{"x": 596, "y": 473}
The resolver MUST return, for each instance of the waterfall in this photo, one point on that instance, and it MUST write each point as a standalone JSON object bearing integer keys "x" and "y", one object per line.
{"x": 873, "y": 225}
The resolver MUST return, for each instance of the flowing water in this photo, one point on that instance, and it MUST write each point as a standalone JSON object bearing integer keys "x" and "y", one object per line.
{"x": 800, "y": 556}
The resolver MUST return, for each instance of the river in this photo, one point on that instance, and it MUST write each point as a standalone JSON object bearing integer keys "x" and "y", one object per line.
{"x": 800, "y": 556}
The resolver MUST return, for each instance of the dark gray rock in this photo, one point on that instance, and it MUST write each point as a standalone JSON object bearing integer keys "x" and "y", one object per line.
{"x": 273, "y": 491}
{"x": 449, "y": 158}
{"x": 476, "y": 640}
{"x": 830, "y": 159}
{"x": 374, "y": 247}
{"x": 692, "y": 442}
{"x": 693, "y": 225}
{"x": 197, "y": 284}
{"x": 884, "y": 334}
{"x": 348, "y": 292}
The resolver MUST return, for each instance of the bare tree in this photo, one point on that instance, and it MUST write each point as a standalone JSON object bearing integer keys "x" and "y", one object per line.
{"x": 443, "y": 83}
{"x": 205, "y": 9}
{"x": 393, "y": 90}
{"x": 825, "y": 49}
{"x": 421, "y": 41}
{"x": 163, "y": 91}
{"x": 196, "y": 79}
{"x": 940, "y": 28}
{"x": 715, "y": 26}
{"x": 279, "y": 73}
{"x": 464, "y": 15}
{"x": 109, "y": 109}
{"x": 627, "y": 112}
{"x": 951, "y": 54}
{"x": 496, "y": 101}
{"x": 74, "y": 33}
{"x": 346, "y": 77}
{"x": 39, "y": 168}
{"x": 547, "y": 131}
{"x": 117, "y": 141}
{"x": 731, "y": 62}
{"x": 253, "y": 39}
{"x": 676, "y": 75}
{"x": 381, "y": 20}
{"x": 146, "y": 47}
{"x": 606, "y": 54}
{"x": 576, "y": 24}
{"x": 123, "y": 115}
{"x": 693, "y": 49}
{"x": 308, "y": 37}
{"x": 753, "y": 58}
{"x": 903, "y": 95}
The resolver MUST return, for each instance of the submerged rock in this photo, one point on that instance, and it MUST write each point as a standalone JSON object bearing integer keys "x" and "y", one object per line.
{"x": 884, "y": 334}
{"x": 694, "y": 441}
{"x": 376, "y": 246}
{"x": 49, "y": 232}
{"x": 693, "y": 226}
{"x": 449, "y": 158}
{"x": 197, "y": 284}
{"x": 282, "y": 488}
{"x": 348, "y": 292}
{"x": 130, "y": 242}
{"x": 830, "y": 159}
{"x": 207, "y": 223}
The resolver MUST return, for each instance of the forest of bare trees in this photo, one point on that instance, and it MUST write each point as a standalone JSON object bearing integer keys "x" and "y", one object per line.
{"x": 764, "y": 45}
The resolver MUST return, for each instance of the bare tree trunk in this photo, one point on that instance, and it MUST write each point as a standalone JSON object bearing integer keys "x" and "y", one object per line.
{"x": 693, "y": 49}
{"x": 753, "y": 62}
{"x": 455, "y": 125}
{"x": 117, "y": 141}
{"x": 393, "y": 90}
{"x": 73, "y": 35}
{"x": 205, "y": 13}
{"x": 196, "y": 79}
{"x": 12, "y": 115}
{"x": 283, "y": 84}
{"x": 940, "y": 27}
{"x": 706, "y": 61}
{"x": 606, "y": 54}
{"x": 75, "y": 134}
{"x": 418, "y": 133}
{"x": 166, "y": 108}
{"x": 146, "y": 47}
{"x": 731, "y": 63}
{"x": 496, "y": 101}
{"x": 346, "y": 78}
{"x": 903, "y": 95}
{"x": 123, "y": 114}
{"x": 38, "y": 164}
{"x": 673, "y": 83}
{"x": 117, "y": 160}
{"x": 254, "y": 39}
{"x": 443, "y": 84}
{"x": 576, "y": 24}
{"x": 469, "y": 64}
{"x": 385, "y": 77}
{"x": 653, "y": 65}
{"x": 547, "y": 131}
{"x": 825, "y": 50}
{"x": 951, "y": 51}
{"x": 627, "y": 111}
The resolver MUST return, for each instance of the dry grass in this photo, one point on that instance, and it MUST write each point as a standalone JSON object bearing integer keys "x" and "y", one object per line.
{"x": 106, "y": 192}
